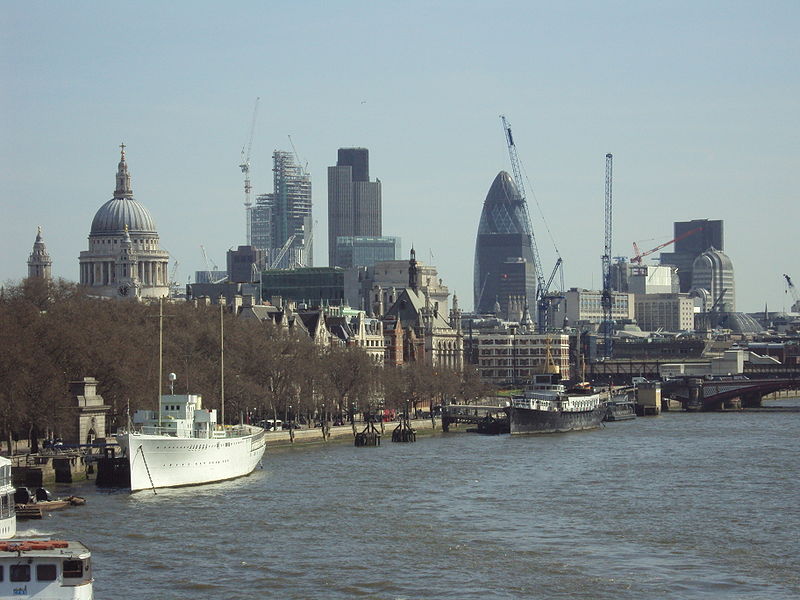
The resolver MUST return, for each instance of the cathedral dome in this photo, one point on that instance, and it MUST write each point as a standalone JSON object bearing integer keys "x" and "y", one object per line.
{"x": 122, "y": 211}
{"x": 115, "y": 214}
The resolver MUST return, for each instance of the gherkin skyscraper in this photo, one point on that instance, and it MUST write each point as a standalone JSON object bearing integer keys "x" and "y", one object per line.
{"x": 504, "y": 265}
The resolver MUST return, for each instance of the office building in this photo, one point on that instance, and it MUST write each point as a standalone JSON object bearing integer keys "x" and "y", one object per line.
{"x": 354, "y": 202}
{"x": 504, "y": 264}
{"x": 653, "y": 279}
{"x": 713, "y": 271}
{"x": 318, "y": 286}
{"x": 245, "y": 264}
{"x": 692, "y": 239}
{"x": 581, "y": 306}
{"x": 665, "y": 312}
{"x": 365, "y": 251}
{"x": 513, "y": 355}
{"x": 281, "y": 223}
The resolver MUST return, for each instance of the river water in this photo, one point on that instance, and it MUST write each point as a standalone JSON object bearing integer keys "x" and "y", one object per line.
{"x": 677, "y": 506}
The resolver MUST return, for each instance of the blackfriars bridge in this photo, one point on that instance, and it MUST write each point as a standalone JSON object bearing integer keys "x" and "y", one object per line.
{"x": 732, "y": 392}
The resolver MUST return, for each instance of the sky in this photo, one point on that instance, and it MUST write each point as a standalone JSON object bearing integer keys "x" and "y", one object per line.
{"x": 697, "y": 101}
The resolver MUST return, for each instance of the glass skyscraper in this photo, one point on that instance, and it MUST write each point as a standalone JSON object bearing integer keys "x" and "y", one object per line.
{"x": 504, "y": 265}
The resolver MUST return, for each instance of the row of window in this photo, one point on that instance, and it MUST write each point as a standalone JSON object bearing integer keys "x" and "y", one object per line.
{"x": 44, "y": 572}
{"x": 518, "y": 342}
{"x": 521, "y": 352}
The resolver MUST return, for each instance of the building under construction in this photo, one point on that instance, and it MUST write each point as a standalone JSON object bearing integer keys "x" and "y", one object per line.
{"x": 281, "y": 223}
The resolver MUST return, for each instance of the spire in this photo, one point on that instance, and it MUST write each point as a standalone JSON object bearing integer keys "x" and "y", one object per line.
{"x": 39, "y": 263}
{"x": 526, "y": 321}
{"x": 412, "y": 271}
{"x": 123, "y": 177}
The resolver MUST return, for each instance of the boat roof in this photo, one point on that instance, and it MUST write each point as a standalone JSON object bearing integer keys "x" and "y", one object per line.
{"x": 43, "y": 547}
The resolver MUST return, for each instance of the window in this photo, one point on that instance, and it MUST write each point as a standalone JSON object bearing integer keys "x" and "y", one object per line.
{"x": 73, "y": 568}
{"x": 46, "y": 572}
{"x": 19, "y": 572}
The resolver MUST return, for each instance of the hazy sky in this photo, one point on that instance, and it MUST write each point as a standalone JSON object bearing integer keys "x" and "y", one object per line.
{"x": 698, "y": 102}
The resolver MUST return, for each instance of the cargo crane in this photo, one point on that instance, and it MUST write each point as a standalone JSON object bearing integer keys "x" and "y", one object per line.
{"x": 245, "y": 167}
{"x": 606, "y": 300}
{"x": 638, "y": 256}
{"x": 543, "y": 299}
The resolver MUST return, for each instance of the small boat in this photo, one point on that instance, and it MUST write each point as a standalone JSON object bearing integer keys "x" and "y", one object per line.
{"x": 620, "y": 408}
{"x": 39, "y": 567}
{"x": 37, "y": 510}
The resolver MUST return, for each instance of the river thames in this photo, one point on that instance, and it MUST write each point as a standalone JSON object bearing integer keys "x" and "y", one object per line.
{"x": 677, "y": 506}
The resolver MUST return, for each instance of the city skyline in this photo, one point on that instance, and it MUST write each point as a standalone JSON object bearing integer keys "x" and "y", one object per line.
{"x": 697, "y": 104}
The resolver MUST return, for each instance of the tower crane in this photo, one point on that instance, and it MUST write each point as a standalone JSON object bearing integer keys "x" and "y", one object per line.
{"x": 542, "y": 286}
{"x": 245, "y": 167}
{"x": 793, "y": 291}
{"x": 638, "y": 256}
{"x": 303, "y": 168}
{"x": 282, "y": 251}
{"x": 209, "y": 264}
{"x": 606, "y": 300}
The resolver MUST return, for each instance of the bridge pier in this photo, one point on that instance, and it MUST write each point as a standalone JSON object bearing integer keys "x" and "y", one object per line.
{"x": 752, "y": 400}
{"x": 695, "y": 401}
{"x": 732, "y": 404}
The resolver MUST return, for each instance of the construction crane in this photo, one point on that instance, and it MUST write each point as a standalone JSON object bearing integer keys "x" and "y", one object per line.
{"x": 282, "y": 251}
{"x": 173, "y": 282}
{"x": 542, "y": 286}
{"x": 209, "y": 264}
{"x": 793, "y": 291}
{"x": 545, "y": 299}
{"x": 606, "y": 300}
{"x": 303, "y": 168}
{"x": 638, "y": 256}
{"x": 245, "y": 167}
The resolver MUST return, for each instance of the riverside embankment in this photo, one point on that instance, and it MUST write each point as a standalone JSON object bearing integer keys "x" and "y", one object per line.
{"x": 343, "y": 433}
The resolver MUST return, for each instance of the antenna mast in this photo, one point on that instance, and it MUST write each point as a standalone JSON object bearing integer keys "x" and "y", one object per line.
{"x": 245, "y": 167}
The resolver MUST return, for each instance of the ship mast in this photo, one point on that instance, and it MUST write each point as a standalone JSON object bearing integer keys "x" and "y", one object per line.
{"x": 222, "y": 363}
{"x": 160, "y": 358}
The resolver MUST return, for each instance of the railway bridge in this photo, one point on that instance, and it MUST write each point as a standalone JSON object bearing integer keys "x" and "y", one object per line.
{"x": 720, "y": 393}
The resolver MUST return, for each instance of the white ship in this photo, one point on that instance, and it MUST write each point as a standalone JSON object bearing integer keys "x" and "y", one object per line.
{"x": 38, "y": 567}
{"x": 182, "y": 445}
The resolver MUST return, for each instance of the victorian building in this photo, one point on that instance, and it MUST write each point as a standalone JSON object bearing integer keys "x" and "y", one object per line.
{"x": 416, "y": 328}
{"x": 124, "y": 259}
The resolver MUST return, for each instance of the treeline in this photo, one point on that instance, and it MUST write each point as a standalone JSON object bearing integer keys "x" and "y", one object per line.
{"x": 51, "y": 333}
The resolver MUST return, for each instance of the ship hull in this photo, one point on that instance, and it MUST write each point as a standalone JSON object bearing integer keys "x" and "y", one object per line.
{"x": 528, "y": 421}
{"x": 158, "y": 461}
